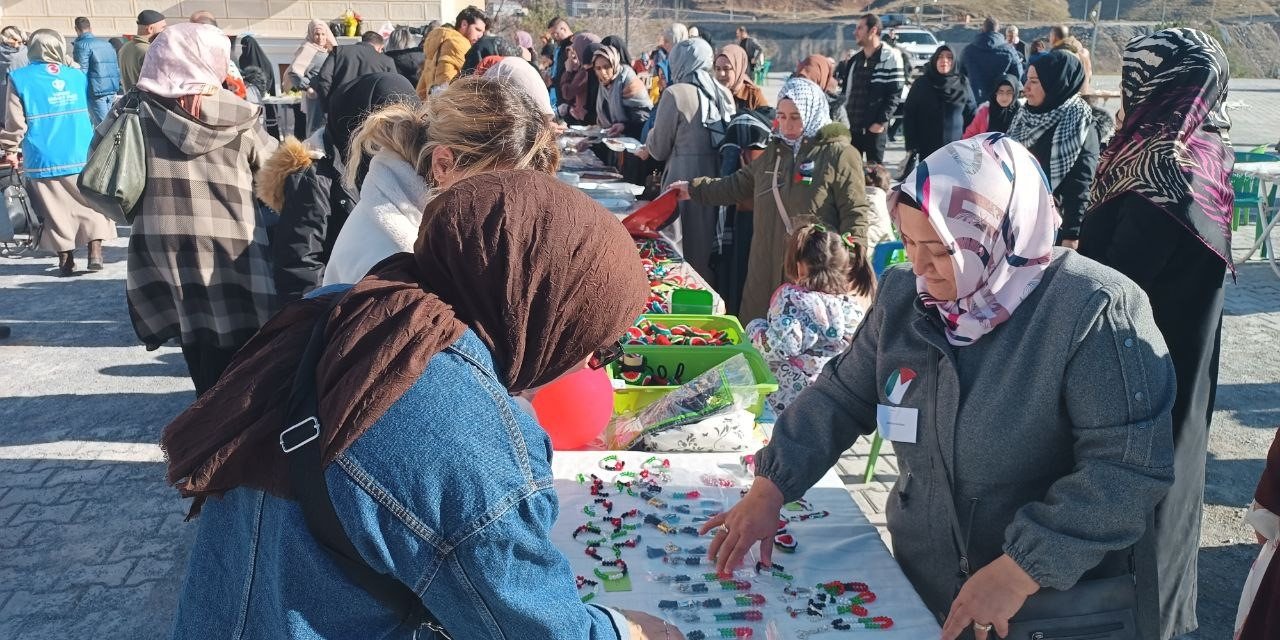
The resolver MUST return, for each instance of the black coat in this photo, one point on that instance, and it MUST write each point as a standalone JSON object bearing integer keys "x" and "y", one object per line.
{"x": 1073, "y": 193}
{"x": 316, "y": 205}
{"x": 1184, "y": 280}
{"x": 408, "y": 63}
{"x": 928, "y": 122}
{"x": 345, "y": 65}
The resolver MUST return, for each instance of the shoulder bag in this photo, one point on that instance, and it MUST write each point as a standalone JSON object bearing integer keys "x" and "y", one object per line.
{"x": 115, "y": 174}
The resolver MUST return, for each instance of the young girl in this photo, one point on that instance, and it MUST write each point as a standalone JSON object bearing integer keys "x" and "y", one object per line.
{"x": 813, "y": 316}
{"x": 878, "y": 186}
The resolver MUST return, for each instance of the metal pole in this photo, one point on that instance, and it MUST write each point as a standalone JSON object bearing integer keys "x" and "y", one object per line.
{"x": 626, "y": 20}
{"x": 1163, "y": 5}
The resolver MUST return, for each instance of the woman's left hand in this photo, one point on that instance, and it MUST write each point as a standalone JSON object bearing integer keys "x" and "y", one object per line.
{"x": 643, "y": 153}
{"x": 992, "y": 596}
{"x": 616, "y": 130}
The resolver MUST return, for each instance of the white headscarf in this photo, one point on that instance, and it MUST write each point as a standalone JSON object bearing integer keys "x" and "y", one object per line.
{"x": 186, "y": 59}
{"x": 519, "y": 71}
{"x": 988, "y": 201}
{"x": 811, "y": 102}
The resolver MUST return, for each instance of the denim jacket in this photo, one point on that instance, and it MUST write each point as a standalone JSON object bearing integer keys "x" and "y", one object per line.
{"x": 450, "y": 492}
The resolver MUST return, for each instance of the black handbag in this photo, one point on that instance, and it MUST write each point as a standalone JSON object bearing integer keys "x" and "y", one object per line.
{"x": 300, "y": 440}
{"x": 1097, "y": 609}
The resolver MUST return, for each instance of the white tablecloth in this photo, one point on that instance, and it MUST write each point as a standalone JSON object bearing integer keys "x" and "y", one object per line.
{"x": 843, "y": 546}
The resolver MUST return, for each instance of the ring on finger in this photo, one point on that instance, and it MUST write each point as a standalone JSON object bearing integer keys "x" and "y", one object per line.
{"x": 985, "y": 628}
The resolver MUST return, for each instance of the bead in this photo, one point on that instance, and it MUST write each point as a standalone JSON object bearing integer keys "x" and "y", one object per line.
{"x": 612, "y": 463}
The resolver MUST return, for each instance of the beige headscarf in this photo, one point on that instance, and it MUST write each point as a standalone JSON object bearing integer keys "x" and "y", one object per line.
{"x": 523, "y": 74}
{"x": 327, "y": 41}
{"x": 47, "y": 45}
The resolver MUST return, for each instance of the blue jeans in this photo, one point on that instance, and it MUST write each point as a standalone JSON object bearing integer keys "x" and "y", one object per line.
{"x": 99, "y": 108}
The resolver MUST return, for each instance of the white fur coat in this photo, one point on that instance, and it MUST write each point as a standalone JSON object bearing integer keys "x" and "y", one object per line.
{"x": 384, "y": 222}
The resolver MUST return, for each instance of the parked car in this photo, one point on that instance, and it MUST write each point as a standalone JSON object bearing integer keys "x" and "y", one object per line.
{"x": 919, "y": 43}
{"x": 891, "y": 20}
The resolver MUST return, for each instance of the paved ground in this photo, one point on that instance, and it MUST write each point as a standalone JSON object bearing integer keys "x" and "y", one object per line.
{"x": 92, "y": 544}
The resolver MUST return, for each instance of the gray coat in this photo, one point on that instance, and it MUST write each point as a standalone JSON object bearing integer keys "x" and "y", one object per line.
{"x": 679, "y": 138}
{"x": 1056, "y": 428}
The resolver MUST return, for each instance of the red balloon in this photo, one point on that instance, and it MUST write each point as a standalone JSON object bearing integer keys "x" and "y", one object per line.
{"x": 575, "y": 409}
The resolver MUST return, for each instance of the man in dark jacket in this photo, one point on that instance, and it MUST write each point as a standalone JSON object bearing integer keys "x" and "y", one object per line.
{"x": 348, "y": 63}
{"x": 873, "y": 82}
{"x": 562, "y": 35}
{"x": 987, "y": 58}
{"x": 755, "y": 53}
{"x": 97, "y": 58}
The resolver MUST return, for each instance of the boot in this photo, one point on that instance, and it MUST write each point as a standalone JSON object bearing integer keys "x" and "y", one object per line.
{"x": 95, "y": 255}
{"x": 66, "y": 263}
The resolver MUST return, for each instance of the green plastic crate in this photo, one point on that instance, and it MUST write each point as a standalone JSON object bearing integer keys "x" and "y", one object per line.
{"x": 697, "y": 361}
{"x": 728, "y": 324}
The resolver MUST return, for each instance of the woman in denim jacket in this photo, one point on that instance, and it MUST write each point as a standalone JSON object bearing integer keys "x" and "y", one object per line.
{"x": 437, "y": 478}
{"x": 1028, "y": 384}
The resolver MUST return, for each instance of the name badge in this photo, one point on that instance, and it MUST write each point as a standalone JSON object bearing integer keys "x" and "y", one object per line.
{"x": 897, "y": 424}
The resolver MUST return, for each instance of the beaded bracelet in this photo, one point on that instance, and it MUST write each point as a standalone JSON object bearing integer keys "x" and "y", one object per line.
{"x": 621, "y": 573}
{"x": 612, "y": 463}
{"x": 691, "y": 561}
{"x": 710, "y": 603}
{"x": 584, "y": 581}
{"x": 734, "y": 632}
{"x": 686, "y": 495}
{"x": 809, "y": 516}
{"x": 668, "y": 578}
{"x": 655, "y": 464}
{"x": 711, "y": 480}
{"x": 587, "y": 528}
{"x": 749, "y": 599}
{"x": 837, "y": 588}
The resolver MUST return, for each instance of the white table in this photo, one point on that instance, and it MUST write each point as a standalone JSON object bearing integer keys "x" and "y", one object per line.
{"x": 1268, "y": 176}
{"x": 843, "y": 546}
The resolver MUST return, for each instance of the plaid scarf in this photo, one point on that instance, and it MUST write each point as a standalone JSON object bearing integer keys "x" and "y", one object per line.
{"x": 1070, "y": 123}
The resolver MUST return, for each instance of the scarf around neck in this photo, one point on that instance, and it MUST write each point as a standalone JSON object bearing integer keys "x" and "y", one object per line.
{"x": 535, "y": 268}
{"x": 985, "y": 198}
{"x": 811, "y": 102}
{"x": 1063, "y": 111}
{"x": 1171, "y": 147}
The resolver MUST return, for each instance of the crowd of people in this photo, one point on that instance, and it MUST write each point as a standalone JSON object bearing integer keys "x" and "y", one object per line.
{"x": 1062, "y": 309}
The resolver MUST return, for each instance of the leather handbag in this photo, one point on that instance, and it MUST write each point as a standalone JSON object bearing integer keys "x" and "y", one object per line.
{"x": 115, "y": 174}
{"x": 1096, "y": 609}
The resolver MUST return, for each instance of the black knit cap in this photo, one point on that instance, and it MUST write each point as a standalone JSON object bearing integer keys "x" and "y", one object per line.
{"x": 149, "y": 17}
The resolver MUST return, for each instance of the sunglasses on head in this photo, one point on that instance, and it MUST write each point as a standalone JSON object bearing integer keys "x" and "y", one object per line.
{"x": 605, "y": 355}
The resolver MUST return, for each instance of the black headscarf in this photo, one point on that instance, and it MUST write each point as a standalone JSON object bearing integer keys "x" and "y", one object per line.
{"x": 620, "y": 46}
{"x": 252, "y": 55}
{"x": 951, "y": 88}
{"x": 999, "y": 118}
{"x": 349, "y": 108}
{"x": 1061, "y": 75}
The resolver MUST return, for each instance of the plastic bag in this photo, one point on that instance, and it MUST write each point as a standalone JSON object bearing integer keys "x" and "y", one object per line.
{"x": 695, "y": 417}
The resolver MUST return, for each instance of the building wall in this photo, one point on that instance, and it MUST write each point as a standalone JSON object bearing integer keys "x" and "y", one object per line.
{"x": 283, "y": 18}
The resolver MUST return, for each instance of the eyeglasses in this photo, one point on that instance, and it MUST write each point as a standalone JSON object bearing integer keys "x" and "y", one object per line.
{"x": 602, "y": 357}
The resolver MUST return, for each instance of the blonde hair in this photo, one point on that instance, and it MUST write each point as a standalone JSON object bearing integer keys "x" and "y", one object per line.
{"x": 488, "y": 123}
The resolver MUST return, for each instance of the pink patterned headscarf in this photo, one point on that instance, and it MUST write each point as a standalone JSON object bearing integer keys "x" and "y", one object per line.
{"x": 186, "y": 59}
{"x": 990, "y": 203}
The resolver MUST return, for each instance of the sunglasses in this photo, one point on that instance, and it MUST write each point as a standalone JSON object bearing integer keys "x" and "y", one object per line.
{"x": 601, "y": 358}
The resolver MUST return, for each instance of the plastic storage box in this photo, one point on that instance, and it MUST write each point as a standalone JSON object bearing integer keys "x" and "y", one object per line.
{"x": 696, "y": 361}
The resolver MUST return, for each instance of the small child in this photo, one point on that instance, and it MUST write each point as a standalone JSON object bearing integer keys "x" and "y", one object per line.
{"x": 813, "y": 316}
{"x": 878, "y": 185}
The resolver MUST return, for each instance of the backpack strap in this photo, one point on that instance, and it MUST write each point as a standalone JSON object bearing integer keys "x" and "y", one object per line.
{"x": 301, "y": 442}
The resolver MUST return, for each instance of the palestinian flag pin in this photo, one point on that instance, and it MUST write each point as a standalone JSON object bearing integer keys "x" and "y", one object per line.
{"x": 895, "y": 388}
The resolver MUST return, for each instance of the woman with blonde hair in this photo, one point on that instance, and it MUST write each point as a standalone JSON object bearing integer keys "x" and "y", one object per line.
{"x": 47, "y": 117}
{"x": 418, "y": 151}
{"x": 307, "y": 61}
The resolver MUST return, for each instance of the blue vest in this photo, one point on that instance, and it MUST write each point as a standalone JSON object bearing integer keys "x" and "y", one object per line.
{"x": 55, "y": 100}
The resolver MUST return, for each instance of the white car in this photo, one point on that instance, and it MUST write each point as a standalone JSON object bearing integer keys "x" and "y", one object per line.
{"x": 917, "y": 42}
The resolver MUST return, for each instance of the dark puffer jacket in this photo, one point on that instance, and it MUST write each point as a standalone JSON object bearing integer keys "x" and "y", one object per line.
{"x": 304, "y": 182}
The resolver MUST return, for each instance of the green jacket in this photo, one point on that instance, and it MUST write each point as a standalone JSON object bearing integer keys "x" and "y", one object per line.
{"x": 130, "y": 57}
{"x": 823, "y": 183}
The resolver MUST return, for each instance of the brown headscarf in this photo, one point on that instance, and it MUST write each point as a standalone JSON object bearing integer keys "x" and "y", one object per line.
{"x": 538, "y": 270}
{"x": 819, "y": 70}
{"x": 740, "y": 85}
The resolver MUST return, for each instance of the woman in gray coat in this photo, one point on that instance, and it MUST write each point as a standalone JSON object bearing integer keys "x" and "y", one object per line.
{"x": 681, "y": 135}
{"x": 1026, "y": 385}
